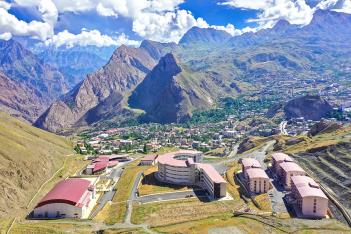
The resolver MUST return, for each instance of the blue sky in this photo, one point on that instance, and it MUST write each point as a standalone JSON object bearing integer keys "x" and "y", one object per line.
{"x": 115, "y": 22}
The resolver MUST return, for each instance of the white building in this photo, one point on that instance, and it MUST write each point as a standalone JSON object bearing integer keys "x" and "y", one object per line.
{"x": 70, "y": 198}
{"x": 184, "y": 167}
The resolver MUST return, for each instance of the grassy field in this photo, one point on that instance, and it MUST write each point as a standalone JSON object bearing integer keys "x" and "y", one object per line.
{"x": 255, "y": 224}
{"x": 171, "y": 212}
{"x": 264, "y": 202}
{"x": 43, "y": 227}
{"x": 115, "y": 212}
{"x": 150, "y": 185}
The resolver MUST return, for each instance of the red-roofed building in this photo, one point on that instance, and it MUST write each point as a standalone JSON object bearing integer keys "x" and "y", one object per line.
{"x": 69, "y": 198}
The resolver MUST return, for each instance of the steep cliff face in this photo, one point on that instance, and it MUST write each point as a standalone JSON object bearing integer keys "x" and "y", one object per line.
{"x": 166, "y": 94}
{"x": 108, "y": 87}
{"x": 309, "y": 107}
{"x": 20, "y": 100}
{"x": 24, "y": 67}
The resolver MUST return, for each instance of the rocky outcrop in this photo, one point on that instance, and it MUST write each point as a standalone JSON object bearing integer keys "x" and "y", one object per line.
{"x": 165, "y": 95}
{"x": 24, "y": 67}
{"x": 324, "y": 126}
{"x": 308, "y": 107}
{"x": 107, "y": 88}
{"x": 20, "y": 100}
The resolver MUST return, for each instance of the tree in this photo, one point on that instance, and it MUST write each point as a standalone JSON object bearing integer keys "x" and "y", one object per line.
{"x": 145, "y": 149}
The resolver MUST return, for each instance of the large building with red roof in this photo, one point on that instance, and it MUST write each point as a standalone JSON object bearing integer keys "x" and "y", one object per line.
{"x": 69, "y": 198}
{"x": 185, "y": 167}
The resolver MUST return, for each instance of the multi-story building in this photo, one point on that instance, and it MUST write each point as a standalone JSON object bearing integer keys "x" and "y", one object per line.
{"x": 185, "y": 167}
{"x": 277, "y": 159}
{"x": 310, "y": 199}
{"x": 288, "y": 170}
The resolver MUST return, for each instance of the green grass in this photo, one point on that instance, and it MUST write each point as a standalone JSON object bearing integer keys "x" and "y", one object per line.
{"x": 116, "y": 211}
{"x": 150, "y": 185}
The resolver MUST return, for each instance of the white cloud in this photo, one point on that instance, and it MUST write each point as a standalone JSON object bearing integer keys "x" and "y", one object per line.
{"x": 247, "y": 4}
{"x": 160, "y": 20}
{"x": 101, "y": 10}
{"x": 9, "y": 24}
{"x": 86, "y": 38}
{"x": 335, "y": 5}
{"x": 295, "y": 11}
{"x": 5, "y": 36}
{"x": 5, "y": 5}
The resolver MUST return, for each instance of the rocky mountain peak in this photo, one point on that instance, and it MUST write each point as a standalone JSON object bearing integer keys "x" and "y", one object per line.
{"x": 169, "y": 64}
{"x": 204, "y": 35}
{"x": 281, "y": 25}
{"x": 157, "y": 49}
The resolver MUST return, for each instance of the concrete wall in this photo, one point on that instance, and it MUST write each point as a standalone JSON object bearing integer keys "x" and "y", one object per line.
{"x": 54, "y": 209}
{"x": 177, "y": 175}
{"x": 260, "y": 187}
{"x": 321, "y": 205}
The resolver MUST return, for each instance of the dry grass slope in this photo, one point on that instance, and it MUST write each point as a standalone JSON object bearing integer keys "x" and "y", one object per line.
{"x": 28, "y": 156}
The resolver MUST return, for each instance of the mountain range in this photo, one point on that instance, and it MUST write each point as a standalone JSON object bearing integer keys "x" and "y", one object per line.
{"x": 167, "y": 82}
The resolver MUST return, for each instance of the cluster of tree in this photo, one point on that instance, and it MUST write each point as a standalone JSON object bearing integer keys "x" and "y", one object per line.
{"x": 230, "y": 107}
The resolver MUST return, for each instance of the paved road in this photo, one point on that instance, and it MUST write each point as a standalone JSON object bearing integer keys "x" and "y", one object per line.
{"x": 108, "y": 196}
{"x": 260, "y": 154}
{"x": 132, "y": 197}
{"x": 201, "y": 194}
{"x": 276, "y": 195}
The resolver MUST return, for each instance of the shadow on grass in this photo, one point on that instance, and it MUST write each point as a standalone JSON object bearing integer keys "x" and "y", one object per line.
{"x": 200, "y": 193}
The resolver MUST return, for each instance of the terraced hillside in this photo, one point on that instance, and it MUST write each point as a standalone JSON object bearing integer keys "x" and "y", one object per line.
{"x": 332, "y": 166}
{"x": 29, "y": 156}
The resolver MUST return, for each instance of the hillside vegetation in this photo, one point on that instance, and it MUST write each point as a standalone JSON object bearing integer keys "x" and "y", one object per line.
{"x": 29, "y": 156}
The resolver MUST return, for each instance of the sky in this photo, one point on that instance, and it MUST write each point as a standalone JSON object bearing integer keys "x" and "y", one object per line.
{"x": 114, "y": 22}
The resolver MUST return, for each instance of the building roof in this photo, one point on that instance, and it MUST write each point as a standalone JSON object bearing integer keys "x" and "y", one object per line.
{"x": 151, "y": 157}
{"x": 282, "y": 157}
{"x": 211, "y": 172}
{"x": 250, "y": 162}
{"x": 291, "y": 167}
{"x": 112, "y": 163}
{"x": 256, "y": 173}
{"x": 99, "y": 166}
{"x": 102, "y": 158}
{"x": 307, "y": 187}
{"x": 69, "y": 191}
{"x": 170, "y": 159}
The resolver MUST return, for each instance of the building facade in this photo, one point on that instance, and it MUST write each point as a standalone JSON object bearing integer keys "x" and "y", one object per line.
{"x": 258, "y": 181}
{"x": 288, "y": 170}
{"x": 69, "y": 198}
{"x": 310, "y": 199}
{"x": 277, "y": 159}
{"x": 185, "y": 167}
